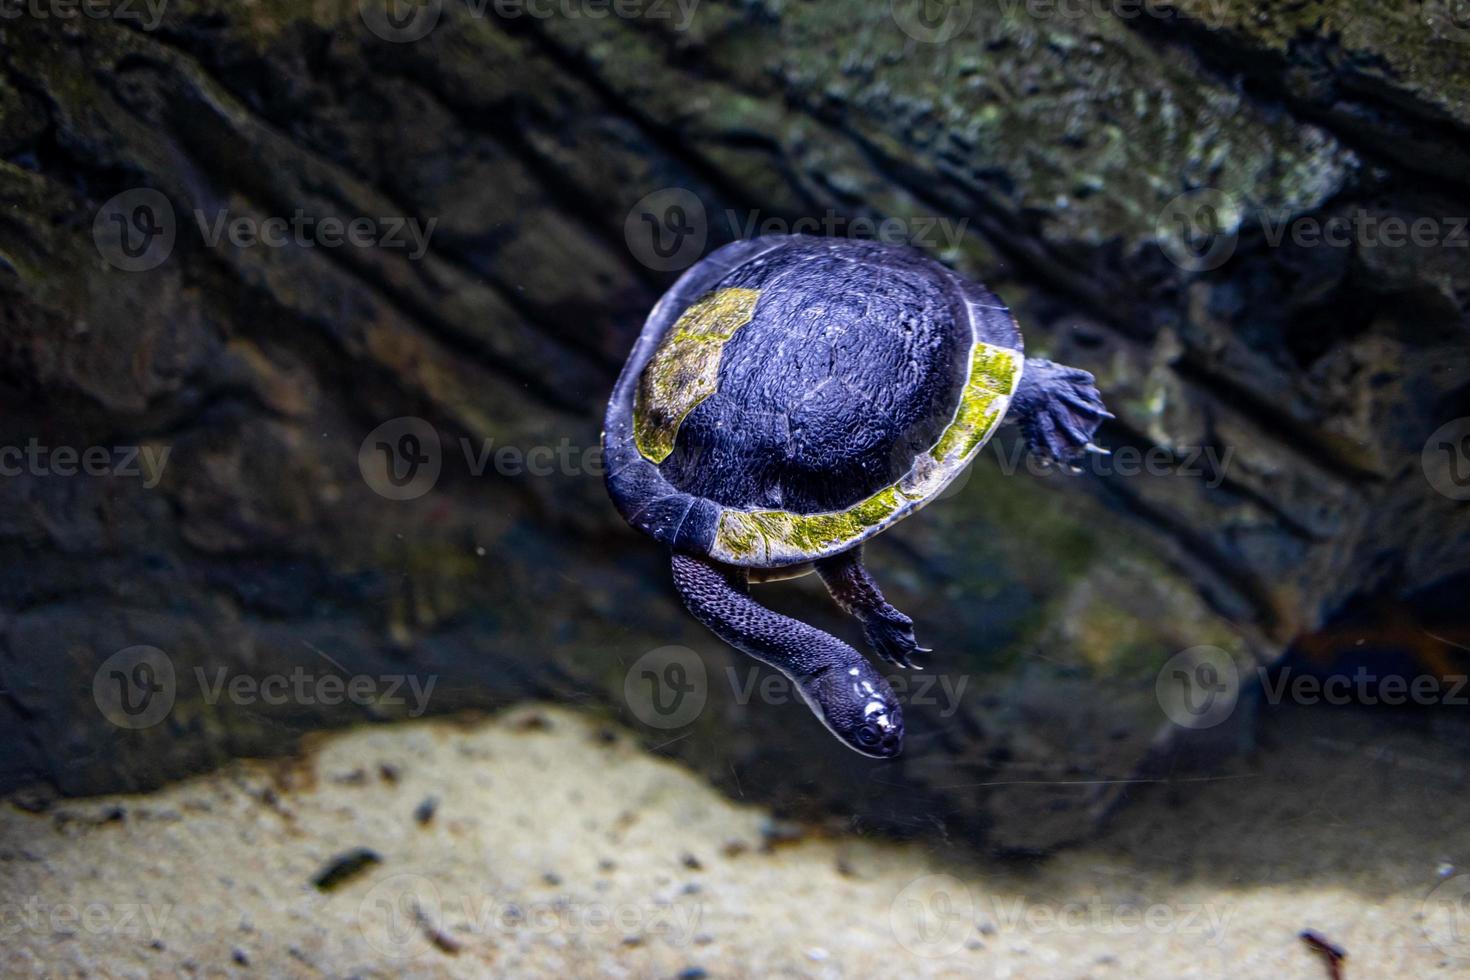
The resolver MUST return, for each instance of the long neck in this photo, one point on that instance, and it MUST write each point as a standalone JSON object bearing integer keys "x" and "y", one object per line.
{"x": 719, "y": 598}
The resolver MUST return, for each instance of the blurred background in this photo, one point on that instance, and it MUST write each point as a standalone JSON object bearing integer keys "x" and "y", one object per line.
{"x": 308, "y": 317}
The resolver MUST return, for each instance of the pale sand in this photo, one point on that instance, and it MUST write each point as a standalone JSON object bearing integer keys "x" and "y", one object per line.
{"x": 187, "y": 880}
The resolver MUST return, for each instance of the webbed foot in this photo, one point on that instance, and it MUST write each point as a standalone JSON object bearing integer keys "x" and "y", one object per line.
{"x": 1059, "y": 409}
{"x": 891, "y": 635}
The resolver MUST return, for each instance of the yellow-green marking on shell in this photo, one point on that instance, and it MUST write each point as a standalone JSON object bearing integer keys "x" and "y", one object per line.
{"x": 994, "y": 373}
{"x": 685, "y": 370}
{"x": 780, "y": 537}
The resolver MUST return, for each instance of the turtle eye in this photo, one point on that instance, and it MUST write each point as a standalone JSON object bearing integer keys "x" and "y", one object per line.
{"x": 868, "y": 735}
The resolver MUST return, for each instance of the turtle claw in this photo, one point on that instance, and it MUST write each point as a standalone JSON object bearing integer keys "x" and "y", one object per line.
{"x": 1059, "y": 410}
{"x": 891, "y": 635}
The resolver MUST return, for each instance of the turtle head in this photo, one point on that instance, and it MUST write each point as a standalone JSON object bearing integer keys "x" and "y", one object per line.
{"x": 858, "y": 706}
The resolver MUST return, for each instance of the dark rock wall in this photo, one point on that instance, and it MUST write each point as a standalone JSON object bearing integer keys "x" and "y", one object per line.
{"x": 1291, "y": 386}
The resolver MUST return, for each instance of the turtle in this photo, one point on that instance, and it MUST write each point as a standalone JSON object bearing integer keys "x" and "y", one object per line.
{"x": 792, "y": 396}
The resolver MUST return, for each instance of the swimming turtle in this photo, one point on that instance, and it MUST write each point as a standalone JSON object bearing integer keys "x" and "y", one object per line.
{"x": 790, "y": 397}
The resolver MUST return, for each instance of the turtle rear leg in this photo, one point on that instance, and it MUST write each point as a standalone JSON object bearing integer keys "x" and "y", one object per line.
{"x": 889, "y": 632}
{"x": 1058, "y": 408}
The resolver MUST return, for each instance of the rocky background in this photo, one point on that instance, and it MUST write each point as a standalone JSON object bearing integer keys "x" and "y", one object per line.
{"x": 1139, "y": 181}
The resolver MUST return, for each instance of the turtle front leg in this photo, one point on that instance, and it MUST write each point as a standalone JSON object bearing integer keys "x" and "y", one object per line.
{"x": 842, "y": 689}
{"x": 1058, "y": 408}
{"x": 889, "y": 631}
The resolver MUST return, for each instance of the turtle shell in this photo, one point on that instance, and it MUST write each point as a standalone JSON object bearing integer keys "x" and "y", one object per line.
{"x": 791, "y": 397}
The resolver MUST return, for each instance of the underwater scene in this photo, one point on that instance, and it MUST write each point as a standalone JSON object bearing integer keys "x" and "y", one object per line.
{"x": 693, "y": 489}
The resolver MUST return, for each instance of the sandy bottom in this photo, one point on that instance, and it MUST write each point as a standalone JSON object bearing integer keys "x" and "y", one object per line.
{"x": 539, "y": 844}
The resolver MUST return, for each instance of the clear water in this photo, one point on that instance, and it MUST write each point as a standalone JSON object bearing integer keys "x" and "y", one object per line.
{"x": 324, "y": 650}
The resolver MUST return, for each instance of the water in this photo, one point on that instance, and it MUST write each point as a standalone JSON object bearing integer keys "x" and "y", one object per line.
{"x": 324, "y": 649}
